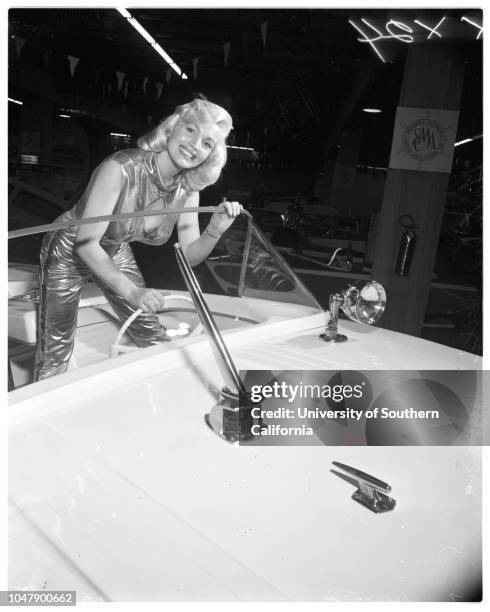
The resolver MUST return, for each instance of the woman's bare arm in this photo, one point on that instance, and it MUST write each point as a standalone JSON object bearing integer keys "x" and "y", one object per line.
{"x": 197, "y": 246}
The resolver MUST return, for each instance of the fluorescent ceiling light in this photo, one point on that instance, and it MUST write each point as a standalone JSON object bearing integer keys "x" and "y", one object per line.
{"x": 456, "y": 144}
{"x": 139, "y": 28}
{"x": 65, "y": 116}
{"x": 126, "y": 14}
{"x": 240, "y": 148}
{"x": 122, "y": 135}
{"x": 16, "y": 101}
{"x": 167, "y": 58}
{"x": 165, "y": 55}
{"x": 149, "y": 38}
{"x": 371, "y": 110}
{"x": 465, "y": 140}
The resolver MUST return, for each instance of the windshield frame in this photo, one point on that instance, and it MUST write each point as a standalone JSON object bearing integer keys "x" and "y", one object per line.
{"x": 251, "y": 229}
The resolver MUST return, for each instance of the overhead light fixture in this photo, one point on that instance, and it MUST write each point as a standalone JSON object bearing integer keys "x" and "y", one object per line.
{"x": 149, "y": 38}
{"x": 167, "y": 58}
{"x": 31, "y": 160}
{"x": 371, "y": 110}
{"x": 15, "y": 101}
{"x": 121, "y": 135}
{"x": 240, "y": 148}
{"x": 65, "y": 116}
{"x": 465, "y": 140}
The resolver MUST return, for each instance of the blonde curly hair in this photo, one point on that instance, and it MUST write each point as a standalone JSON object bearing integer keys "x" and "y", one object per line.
{"x": 201, "y": 112}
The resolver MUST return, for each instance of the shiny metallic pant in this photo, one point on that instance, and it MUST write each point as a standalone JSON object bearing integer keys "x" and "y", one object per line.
{"x": 61, "y": 279}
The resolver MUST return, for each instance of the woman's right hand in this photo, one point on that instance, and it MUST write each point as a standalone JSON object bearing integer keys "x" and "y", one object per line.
{"x": 149, "y": 300}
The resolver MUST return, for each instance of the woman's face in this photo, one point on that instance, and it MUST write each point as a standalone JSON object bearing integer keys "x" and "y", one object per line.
{"x": 191, "y": 143}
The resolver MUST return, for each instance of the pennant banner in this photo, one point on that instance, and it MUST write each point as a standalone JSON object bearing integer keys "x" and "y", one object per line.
{"x": 120, "y": 79}
{"x": 226, "y": 52}
{"x": 73, "y": 63}
{"x": 19, "y": 43}
{"x": 263, "y": 31}
{"x": 195, "y": 62}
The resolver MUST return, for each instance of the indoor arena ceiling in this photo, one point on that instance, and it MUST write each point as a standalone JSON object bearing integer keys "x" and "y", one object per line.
{"x": 299, "y": 74}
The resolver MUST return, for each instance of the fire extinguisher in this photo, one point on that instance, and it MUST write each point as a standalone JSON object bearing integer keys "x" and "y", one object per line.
{"x": 407, "y": 245}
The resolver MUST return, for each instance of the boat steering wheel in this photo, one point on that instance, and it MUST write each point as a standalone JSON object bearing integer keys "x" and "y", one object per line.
{"x": 117, "y": 347}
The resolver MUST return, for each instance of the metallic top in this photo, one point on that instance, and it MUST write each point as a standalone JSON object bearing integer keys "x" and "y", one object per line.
{"x": 142, "y": 183}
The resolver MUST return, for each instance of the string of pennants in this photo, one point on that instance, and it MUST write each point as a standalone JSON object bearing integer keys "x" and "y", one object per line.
{"x": 122, "y": 82}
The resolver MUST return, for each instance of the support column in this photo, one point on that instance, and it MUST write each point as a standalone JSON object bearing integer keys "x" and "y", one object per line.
{"x": 417, "y": 180}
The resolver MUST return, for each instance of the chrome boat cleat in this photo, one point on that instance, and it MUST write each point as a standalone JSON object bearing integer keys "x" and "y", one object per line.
{"x": 371, "y": 491}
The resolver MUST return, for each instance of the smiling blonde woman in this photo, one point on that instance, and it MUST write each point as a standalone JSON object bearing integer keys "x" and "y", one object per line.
{"x": 181, "y": 156}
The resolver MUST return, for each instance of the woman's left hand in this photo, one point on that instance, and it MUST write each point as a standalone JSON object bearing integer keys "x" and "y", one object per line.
{"x": 221, "y": 221}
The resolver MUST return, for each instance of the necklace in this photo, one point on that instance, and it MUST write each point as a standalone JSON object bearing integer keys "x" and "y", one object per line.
{"x": 172, "y": 182}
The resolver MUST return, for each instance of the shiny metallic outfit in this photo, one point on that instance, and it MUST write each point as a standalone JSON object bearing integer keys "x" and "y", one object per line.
{"x": 63, "y": 273}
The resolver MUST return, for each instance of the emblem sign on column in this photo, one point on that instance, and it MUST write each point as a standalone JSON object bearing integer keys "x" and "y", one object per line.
{"x": 423, "y": 139}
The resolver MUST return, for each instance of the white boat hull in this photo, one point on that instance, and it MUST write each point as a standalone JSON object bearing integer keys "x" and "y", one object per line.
{"x": 131, "y": 497}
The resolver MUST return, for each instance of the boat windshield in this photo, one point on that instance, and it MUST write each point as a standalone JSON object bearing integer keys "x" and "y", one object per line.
{"x": 243, "y": 264}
